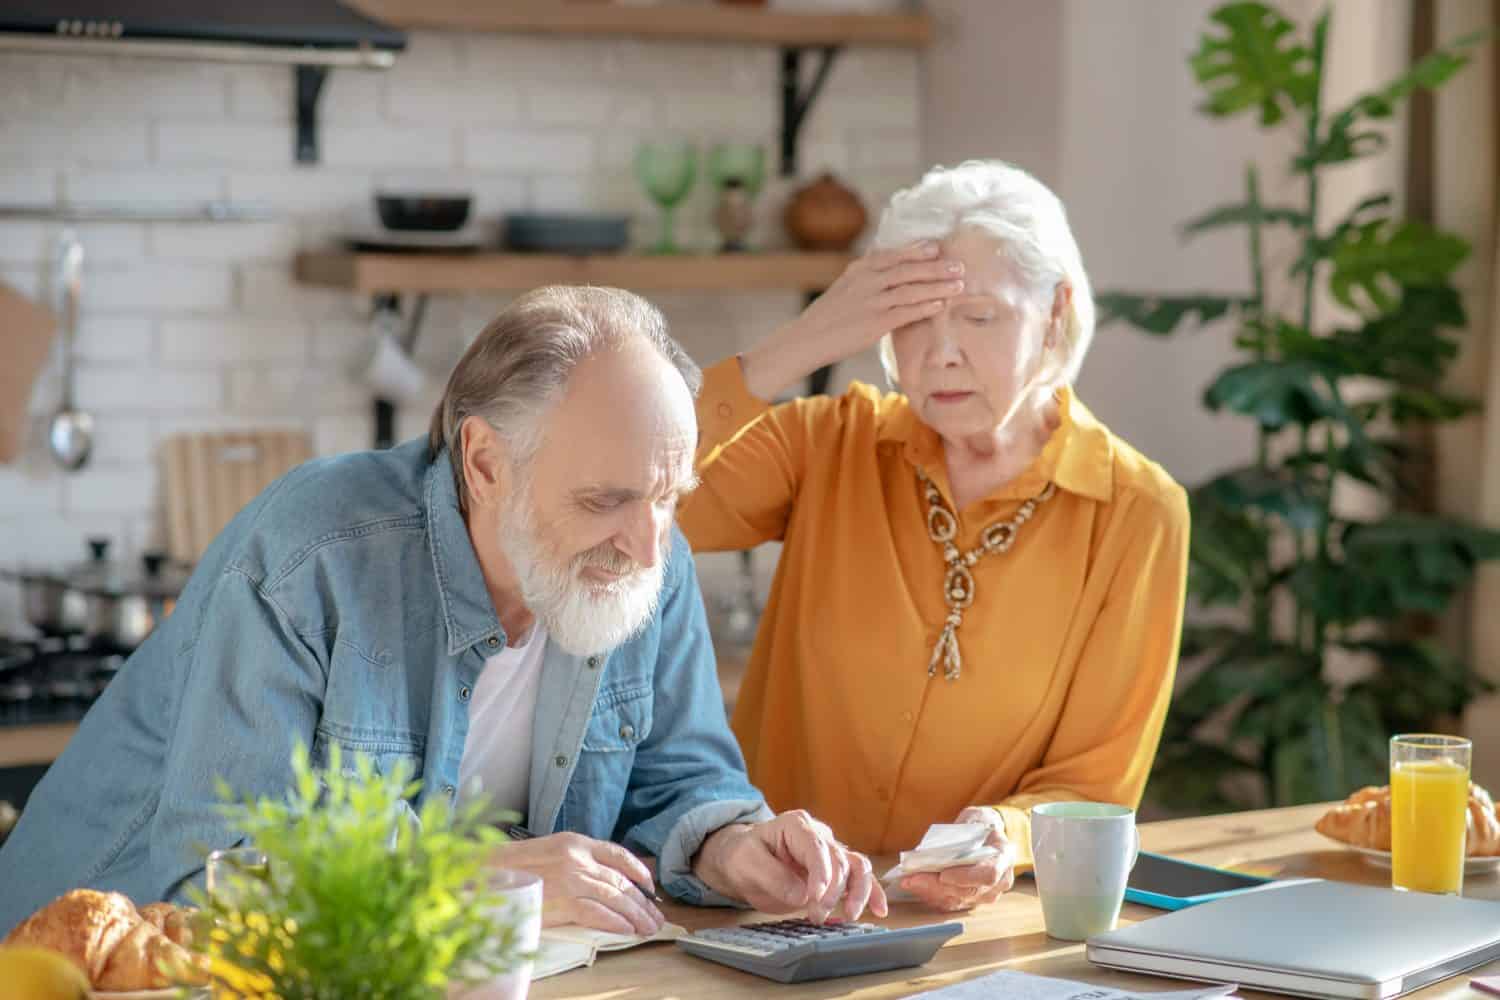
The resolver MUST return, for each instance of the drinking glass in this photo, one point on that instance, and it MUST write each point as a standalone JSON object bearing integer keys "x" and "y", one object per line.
{"x": 667, "y": 171}
{"x": 1429, "y": 812}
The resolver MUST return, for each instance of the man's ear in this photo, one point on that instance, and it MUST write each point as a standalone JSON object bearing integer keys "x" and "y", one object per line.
{"x": 486, "y": 462}
{"x": 1062, "y": 305}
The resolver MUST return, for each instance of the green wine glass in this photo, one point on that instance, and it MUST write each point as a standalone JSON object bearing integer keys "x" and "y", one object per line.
{"x": 667, "y": 171}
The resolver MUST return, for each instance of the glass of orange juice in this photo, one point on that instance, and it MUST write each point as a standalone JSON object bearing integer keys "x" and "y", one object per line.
{"x": 1429, "y": 812}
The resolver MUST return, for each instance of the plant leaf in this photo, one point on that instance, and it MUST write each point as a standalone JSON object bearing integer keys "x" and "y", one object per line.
{"x": 1403, "y": 564}
{"x": 1277, "y": 492}
{"x": 1161, "y": 314}
{"x": 1340, "y": 142}
{"x": 1415, "y": 404}
{"x": 1282, "y": 394}
{"x": 1416, "y": 682}
{"x": 1377, "y": 259}
{"x": 1254, "y": 62}
{"x": 1243, "y": 214}
{"x": 1225, "y": 551}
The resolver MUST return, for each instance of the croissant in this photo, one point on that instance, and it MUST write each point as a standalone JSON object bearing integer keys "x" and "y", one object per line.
{"x": 84, "y": 925}
{"x": 1364, "y": 820}
{"x": 139, "y": 961}
{"x": 174, "y": 922}
{"x": 114, "y": 945}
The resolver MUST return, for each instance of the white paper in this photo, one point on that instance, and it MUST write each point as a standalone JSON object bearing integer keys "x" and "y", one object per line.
{"x": 944, "y": 845}
{"x": 1024, "y": 986}
{"x": 570, "y": 947}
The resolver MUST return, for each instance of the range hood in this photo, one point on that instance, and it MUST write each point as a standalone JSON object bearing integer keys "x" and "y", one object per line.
{"x": 298, "y": 32}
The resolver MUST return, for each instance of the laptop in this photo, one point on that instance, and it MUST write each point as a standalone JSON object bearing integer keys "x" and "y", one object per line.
{"x": 1314, "y": 939}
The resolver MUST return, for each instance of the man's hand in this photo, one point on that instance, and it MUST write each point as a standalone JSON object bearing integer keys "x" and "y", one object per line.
{"x": 586, "y": 881}
{"x": 967, "y": 886}
{"x": 790, "y": 863}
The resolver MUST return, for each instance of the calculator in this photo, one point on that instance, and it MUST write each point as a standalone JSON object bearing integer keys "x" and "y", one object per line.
{"x": 795, "y": 951}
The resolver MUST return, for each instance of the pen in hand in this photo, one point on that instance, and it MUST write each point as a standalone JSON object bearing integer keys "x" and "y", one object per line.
{"x": 648, "y": 891}
{"x": 517, "y": 832}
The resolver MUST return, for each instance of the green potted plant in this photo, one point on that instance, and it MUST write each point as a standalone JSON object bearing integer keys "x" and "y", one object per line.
{"x": 1305, "y": 580}
{"x": 359, "y": 897}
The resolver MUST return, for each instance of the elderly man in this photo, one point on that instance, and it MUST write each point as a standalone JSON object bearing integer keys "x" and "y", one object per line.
{"x": 506, "y": 606}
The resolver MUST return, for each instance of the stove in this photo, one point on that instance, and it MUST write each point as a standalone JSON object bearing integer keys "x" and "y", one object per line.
{"x": 52, "y": 679}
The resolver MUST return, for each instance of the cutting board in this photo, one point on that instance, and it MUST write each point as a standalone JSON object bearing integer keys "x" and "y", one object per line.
{"x": 25, "y": 340}
{"x": 209, "y": 477}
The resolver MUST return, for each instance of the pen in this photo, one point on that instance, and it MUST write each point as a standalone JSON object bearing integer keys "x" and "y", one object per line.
{"x": 647, "y": 891}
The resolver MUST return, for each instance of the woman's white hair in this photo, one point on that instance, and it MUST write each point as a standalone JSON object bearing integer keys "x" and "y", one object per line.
{"x": 1023, "y": 216}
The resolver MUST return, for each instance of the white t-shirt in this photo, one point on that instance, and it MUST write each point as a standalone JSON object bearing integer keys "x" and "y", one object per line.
{"x": 497, "y": 751}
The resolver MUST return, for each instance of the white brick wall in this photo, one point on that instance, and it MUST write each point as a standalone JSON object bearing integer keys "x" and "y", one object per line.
{"x": 199, "y": 327}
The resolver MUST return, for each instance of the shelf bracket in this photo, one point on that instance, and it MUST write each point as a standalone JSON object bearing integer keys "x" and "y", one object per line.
{"x": 309, "y": 86}
{"x": 795, "y": 103}
{"x": 385, "y": 408}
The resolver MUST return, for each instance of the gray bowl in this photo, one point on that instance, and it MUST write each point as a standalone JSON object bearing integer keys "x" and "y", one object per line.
{"x": 566, "y": 233}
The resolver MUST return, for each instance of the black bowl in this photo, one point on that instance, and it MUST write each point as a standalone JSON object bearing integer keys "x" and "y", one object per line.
{"x": 423, "y": 212}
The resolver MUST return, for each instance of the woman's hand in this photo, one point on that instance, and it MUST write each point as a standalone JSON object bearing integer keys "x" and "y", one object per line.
{"x": 968, "y": 886}
{"x": 880, "y": 292}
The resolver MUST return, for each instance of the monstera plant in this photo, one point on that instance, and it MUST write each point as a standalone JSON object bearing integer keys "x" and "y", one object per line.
{"x": 1307, "y": 584}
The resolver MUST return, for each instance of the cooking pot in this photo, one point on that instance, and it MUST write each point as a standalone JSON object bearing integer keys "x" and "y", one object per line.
{"x": 122, "y": 611}
{"x": 99, "y": 600}
{"x": 56, "y": 603}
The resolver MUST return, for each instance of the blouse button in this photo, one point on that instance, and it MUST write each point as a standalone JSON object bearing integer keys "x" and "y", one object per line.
{"x": 725, "y": 409}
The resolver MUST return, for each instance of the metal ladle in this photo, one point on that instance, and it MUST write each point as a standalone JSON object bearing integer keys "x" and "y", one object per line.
{"x": 71, "y": 435}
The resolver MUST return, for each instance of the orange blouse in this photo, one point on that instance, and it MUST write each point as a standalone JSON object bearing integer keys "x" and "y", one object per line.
{"x": 1068, "y": 650}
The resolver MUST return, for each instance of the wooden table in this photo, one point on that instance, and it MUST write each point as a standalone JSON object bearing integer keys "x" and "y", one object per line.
{"x": 1006, "y": 935}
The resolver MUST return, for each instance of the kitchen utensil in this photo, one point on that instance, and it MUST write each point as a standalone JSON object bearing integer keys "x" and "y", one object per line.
{"x": 122, "y": 610}
{"x": 566, "y": 233}
{"x": 210, "y": 476}
{"x": 25, "y": 341}
{"x": 57, "y": 603}
{"x": 71, "y": 434}
{"x": 423, "y": 212}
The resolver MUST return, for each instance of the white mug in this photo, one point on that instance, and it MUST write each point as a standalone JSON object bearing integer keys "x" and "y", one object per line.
{"x": 521, "y": 907}
{"x": 1083, "y": 852}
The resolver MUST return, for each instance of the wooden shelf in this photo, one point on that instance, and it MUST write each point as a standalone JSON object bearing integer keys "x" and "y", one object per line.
{"x": 376, "y": 273}
{"x": 34, "y": 744}
{"x": 669, "y": 21}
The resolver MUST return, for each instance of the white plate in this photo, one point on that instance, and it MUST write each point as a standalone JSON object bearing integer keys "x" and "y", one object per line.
{"x": 1382, "y": 859}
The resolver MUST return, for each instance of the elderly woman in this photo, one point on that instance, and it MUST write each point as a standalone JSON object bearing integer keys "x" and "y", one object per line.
{"x": 980, "y": 589}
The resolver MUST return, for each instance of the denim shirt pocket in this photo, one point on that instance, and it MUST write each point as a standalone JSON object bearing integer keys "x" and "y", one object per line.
{"x": 386, "y": 753}
{"x": 621, "y": 720}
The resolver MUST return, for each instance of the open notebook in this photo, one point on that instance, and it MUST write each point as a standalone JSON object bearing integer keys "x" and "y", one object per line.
{"x": 563, "y": 949}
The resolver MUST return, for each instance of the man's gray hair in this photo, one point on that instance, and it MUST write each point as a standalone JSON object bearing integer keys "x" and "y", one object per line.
{"x": 519, "y": 365}
{"x": 1023, "y": 216}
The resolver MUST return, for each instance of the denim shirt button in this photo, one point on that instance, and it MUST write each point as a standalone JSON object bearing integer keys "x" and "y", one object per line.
{"x": 493, "y": 641}
{"x": 593, "y": 663}
{"x": 463, "y": 693}
{"x": 627, "y": 732}
{"x": 448, "y": 791}
{"x": 560, "y": 760}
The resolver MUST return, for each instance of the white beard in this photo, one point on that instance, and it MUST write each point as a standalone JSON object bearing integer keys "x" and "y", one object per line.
{"x": 581, "y": 619}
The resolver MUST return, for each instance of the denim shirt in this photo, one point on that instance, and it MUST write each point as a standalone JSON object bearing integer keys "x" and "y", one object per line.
{"x": 345, "y": 606}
